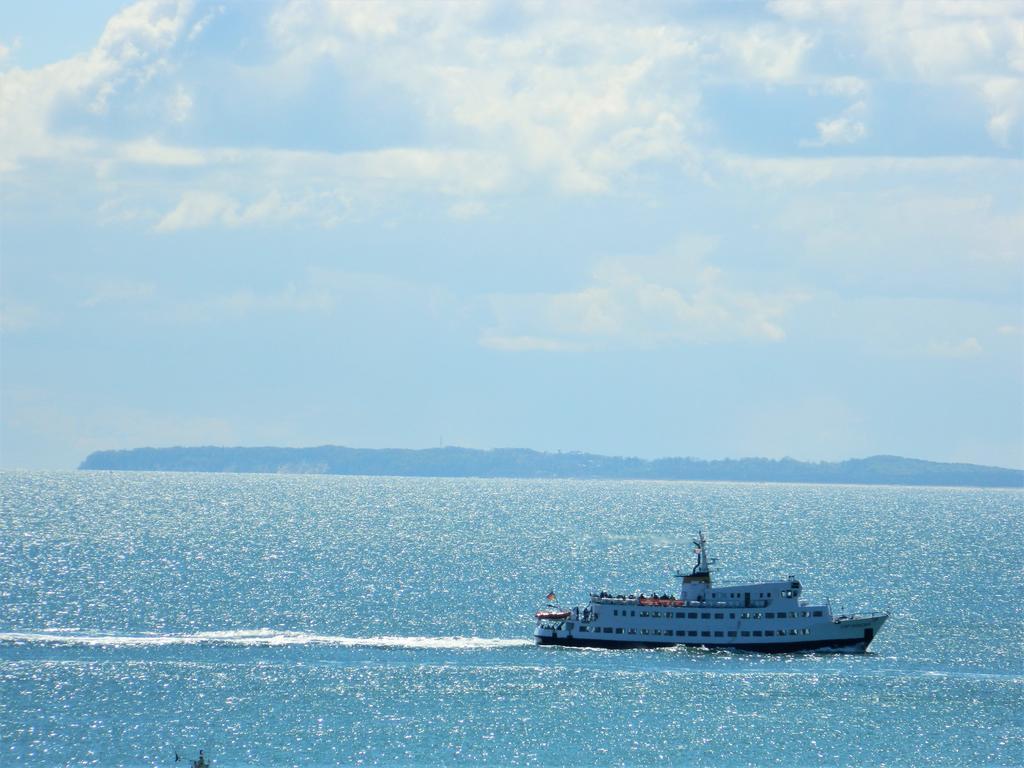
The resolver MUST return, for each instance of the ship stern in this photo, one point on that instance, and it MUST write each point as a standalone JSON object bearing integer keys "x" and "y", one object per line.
{"x": 545, "y": 634}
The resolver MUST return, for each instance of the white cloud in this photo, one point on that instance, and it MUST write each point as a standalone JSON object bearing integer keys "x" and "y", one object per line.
{"x": 307, "y": 298}
{"x": 979, "y": 45}
{"x": 524, "y": 344}
{"x": 529, "y": 107}
{"x": 796, "y": 171}
{"x": 122, "y": 209}
{"x": 118, "y": 292}
{"x": 848, "y": 128}
{"x": 1010, "y": 330}
{"x": 640, "y": 303}
{"x": 179, "y": 105}
{"x": 199, "y": 26}
{"x": 150, "y": 151}
{"x": 585, "y": 103}
{"x": 7, "y": 50}
{"x": 767, "y": 53}
{"x": 966, "y": 348}
{"x": 906, "y": 240}
{"x": 846, "y": 85}
{"x": 580, "y": 101}
{"x": 130, "y": 51}
{"x": 467, "y": 209}
{"x": 841, "y": 130}
{"x": 315, "y": 295}
{"x": 315, "y": 186}
{"x": 16, "y": 317}
{"x": 198, "y": 209}
{"x": 1005, "y": 98}
{"x": 346, "y": 296}
{"x": 145, "y": 26}
{"x": 452, "y": 172}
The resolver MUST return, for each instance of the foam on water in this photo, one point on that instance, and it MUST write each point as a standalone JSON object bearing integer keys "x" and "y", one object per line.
{"x": 259, "y": 637}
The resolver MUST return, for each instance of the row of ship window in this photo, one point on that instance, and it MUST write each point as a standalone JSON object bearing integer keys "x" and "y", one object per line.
{"x": 755, "y": 615}
{"x": 694, "y": 633}
{"x": 761, "y": 595}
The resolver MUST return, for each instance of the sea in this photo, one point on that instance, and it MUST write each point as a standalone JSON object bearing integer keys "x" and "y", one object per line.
{"x": 322, "y": 620}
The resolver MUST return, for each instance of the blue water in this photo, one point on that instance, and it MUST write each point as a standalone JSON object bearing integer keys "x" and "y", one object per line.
{"x": 308, "y": 620}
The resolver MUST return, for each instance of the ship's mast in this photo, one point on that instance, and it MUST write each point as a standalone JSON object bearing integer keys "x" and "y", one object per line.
{"x": 702, "y": 554}
{"x": 701, "y": 571}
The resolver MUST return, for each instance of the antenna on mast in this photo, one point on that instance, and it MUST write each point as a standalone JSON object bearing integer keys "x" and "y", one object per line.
{"x": 701, "y": 571}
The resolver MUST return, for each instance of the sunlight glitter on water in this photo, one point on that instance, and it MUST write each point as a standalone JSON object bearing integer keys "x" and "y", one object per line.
{"x": 327, "y": 620}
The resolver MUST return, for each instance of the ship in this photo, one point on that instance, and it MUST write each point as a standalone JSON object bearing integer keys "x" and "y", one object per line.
{"x": 768, "y": 617}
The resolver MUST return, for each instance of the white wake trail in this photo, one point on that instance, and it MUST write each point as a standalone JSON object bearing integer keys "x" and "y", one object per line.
{"x": 257, "y": 637}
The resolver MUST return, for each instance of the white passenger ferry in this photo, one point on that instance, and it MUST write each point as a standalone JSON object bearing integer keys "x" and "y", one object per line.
{"x": 769, "y": 616}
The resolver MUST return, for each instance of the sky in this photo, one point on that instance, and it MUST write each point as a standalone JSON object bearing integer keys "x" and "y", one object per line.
{"x": 651, "y": 229}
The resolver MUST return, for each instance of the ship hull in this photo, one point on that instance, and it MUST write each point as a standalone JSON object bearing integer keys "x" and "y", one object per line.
{"x": 853, "y": 645}
{"x": 847, "y": 634}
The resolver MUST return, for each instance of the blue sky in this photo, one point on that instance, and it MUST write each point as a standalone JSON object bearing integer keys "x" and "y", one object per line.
{"x": 700, "y": 229}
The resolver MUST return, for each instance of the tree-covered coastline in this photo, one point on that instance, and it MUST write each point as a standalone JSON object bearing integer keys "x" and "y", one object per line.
{"x": 526, "y": 463}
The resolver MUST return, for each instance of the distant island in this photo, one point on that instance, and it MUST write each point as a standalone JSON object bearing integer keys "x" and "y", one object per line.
{"x": 525, "y": 463}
